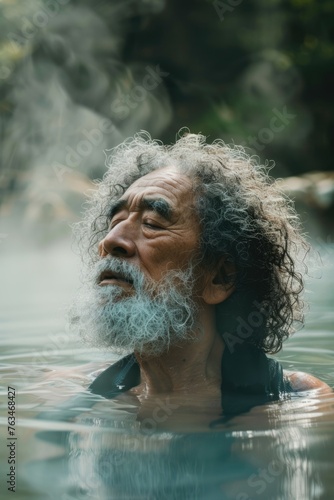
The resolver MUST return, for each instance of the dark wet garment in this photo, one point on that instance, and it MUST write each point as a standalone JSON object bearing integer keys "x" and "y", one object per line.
{"x": 249, "y": 378}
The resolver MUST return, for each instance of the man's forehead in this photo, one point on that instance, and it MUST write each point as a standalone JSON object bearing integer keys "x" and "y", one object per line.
{"x": 167, "y": 182}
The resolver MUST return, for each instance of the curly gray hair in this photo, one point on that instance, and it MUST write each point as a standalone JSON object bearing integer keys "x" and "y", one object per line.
{"x": 243, "y": 215}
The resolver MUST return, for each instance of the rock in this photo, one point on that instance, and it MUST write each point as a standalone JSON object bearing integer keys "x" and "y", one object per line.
{"x": 314, "y": 189}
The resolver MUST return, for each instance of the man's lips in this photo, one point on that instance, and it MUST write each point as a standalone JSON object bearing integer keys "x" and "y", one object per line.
{"x": 111, "y": 277}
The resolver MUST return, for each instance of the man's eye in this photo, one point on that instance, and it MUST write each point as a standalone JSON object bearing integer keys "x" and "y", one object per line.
{"x": 114, "y": 223}
{"x": 151, "y": 225}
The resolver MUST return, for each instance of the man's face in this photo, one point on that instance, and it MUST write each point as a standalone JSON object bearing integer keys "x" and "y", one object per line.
{"x": 154, "y": 226}
{"x": 141, "y": 294}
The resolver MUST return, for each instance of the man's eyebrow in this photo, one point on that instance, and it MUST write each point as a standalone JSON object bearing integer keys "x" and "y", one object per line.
{"x": 117, "y": 207}
{"x": 158, "y": 205}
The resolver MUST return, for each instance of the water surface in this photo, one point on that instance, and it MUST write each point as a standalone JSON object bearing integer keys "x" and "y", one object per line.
{"x": 283, "y": 450}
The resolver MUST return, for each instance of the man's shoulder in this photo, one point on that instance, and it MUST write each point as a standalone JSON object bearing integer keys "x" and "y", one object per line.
{"x": 301, "y": 381}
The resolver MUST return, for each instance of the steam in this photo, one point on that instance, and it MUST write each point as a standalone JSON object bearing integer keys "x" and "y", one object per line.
{"x": 69, "y": 97}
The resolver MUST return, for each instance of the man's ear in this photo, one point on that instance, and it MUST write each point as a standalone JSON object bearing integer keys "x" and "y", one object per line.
{"x": 218, "y": 284}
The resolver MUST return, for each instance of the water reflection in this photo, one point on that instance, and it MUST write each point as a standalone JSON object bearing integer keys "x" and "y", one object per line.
{"x": 108, "y": 455}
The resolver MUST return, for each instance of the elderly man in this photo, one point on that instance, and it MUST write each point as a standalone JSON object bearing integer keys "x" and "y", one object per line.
{"x": 192, "y": 257}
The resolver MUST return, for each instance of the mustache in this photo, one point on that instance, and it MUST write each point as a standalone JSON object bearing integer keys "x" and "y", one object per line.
{"x": 112, "y": 266}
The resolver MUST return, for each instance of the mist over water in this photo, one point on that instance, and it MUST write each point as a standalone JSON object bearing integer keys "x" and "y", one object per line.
{"x": 69, "y": 97}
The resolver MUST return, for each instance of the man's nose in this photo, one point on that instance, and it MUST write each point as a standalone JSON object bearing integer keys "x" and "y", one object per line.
{"x": 119, "y": 242}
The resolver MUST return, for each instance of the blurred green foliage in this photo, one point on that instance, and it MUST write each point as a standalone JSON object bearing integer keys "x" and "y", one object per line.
{"x": 231, "y": 66}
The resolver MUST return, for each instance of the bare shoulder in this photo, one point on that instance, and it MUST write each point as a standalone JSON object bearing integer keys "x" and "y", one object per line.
{"x": 301, "y": 381}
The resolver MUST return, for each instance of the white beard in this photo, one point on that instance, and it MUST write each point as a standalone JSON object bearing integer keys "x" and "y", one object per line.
{"x": 155, "y": 316}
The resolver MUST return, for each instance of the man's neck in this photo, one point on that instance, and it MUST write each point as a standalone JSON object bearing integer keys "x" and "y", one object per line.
{"x": 193, "y": 368}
